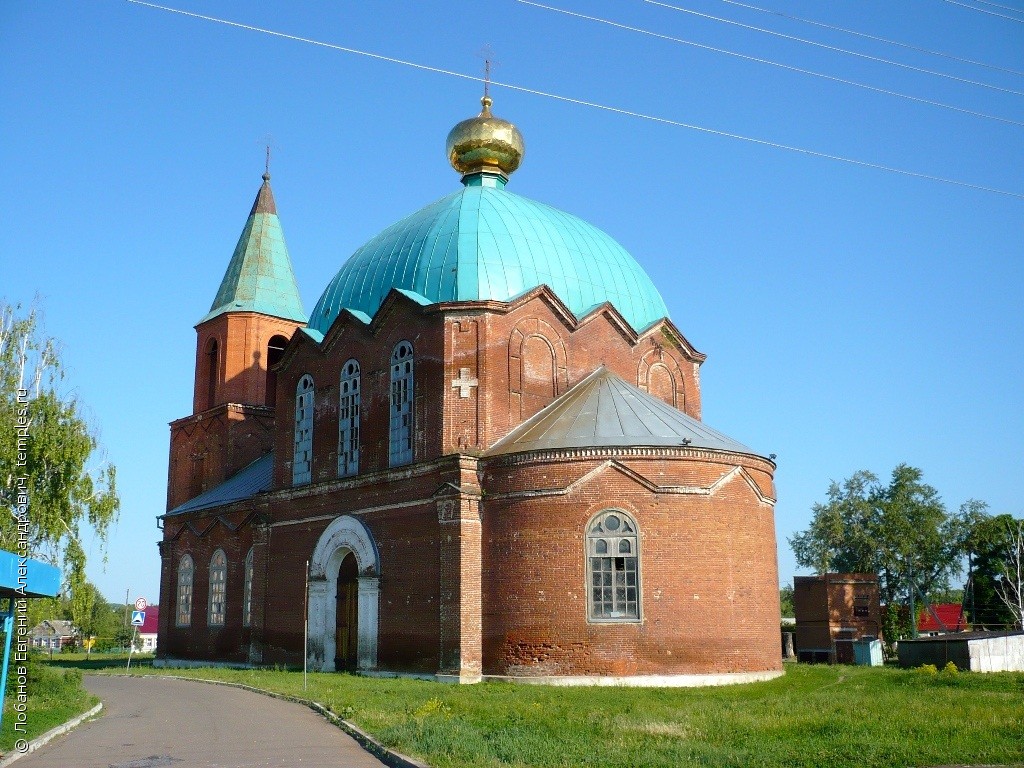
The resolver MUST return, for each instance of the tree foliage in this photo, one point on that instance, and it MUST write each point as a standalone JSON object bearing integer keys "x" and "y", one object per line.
{"x": 988, "y": 547}
{"x": 900, "y": 531}
{"x": 786, "y": 601}
{"x": 48, "y": 451}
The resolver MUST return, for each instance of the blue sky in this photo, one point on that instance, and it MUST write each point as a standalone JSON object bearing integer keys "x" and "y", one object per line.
{"x": 852, "y": 318}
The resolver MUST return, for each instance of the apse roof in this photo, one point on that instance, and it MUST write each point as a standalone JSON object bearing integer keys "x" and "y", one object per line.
{"x": 259, "y": 277}
{"x": 484, "y": 242}
{"x": 605, "y": 411}
{"x": 244, "y": 484}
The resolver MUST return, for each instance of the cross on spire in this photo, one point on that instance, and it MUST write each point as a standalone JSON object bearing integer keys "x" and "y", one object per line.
{"x": 487, "y": 54}
{"x": 267, "y": 142}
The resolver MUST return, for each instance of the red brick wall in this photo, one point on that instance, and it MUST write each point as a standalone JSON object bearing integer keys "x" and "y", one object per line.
{"x": 242, "y": 339}
{"x": 708, "y": 571}
{"x": 399, "y": 319}
{"x": 208, "y": 448}
{"x": 201, "y": 539}
{"x": 825, "y": 605}
{"x": 511, "y": 346}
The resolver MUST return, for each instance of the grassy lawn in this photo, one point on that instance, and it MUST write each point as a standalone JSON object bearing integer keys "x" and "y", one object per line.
{"x": 813, "y": 716}
{"x": 55, "y": 695}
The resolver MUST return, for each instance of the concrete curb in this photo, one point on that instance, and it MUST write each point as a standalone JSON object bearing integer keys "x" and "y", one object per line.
{"x": 50, "y": 735}
{"x": 388, "y": 756}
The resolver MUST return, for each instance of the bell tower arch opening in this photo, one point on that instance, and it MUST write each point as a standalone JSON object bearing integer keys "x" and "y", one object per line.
{"x": 212, "y": 372}
{"x": 275, "y": 351}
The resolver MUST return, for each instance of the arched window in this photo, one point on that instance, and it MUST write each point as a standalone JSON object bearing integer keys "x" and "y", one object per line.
{"x": 613, "y": 565}
{"x": 212, "y": 372}
{"x": 348, "y": 420}
{"x": 186, "y": 571}
{"x": 275, "y": 351}
{"x": 302, "y": 463}
{"x": 218, "y": 588}
{"x": 401, "y": 404}
{"x": 247, "y": 591}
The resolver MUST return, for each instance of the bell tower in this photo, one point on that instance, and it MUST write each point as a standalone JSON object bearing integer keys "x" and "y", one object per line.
{"x": 255, "y": 312}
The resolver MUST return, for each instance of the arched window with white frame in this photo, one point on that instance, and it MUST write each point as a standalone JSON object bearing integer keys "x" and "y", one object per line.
{"x": 613, "y": 567}
{"x": 218, "y": 589}
{"x": 302, "y": 463}
{"x": 402, "y": 390}
{"x": 348, "y": 419}
{"x": 186, "y": 574}
{"x": 247, "y": 591}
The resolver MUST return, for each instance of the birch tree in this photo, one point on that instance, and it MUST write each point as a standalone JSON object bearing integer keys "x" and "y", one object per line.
{"x": 49, "y": 452}
{"x": 1011, "y": 583}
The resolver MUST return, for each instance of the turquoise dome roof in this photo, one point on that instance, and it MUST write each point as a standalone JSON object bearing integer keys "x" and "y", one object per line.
{"x": 484, "y": 242}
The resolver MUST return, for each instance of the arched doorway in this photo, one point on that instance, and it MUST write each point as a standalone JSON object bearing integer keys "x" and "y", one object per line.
{"x": 344, "y": 584}
{"x": 346, "y": 621}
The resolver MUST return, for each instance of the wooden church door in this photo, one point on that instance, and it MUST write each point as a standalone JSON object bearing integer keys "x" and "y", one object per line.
{"x": 347, "y": 623}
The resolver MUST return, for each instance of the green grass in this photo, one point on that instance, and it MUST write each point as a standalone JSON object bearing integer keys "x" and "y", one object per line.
{"x": 54, "y": 696}
{"x": 813, "y": 716}
{"x": 99, "y": 661}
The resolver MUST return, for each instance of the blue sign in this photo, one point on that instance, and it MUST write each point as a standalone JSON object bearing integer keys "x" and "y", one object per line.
{"x": 138, "y": 618}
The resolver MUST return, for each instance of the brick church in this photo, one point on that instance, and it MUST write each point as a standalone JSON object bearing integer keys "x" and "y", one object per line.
{"x": 480, "y": 457}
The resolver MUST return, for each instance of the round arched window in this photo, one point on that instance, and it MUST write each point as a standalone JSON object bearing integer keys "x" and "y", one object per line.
{"x": 613, "y": 567}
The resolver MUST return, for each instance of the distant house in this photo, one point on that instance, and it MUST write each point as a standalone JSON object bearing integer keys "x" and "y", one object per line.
{"x": 947, "y": 617}
{"x": 833, "y": 611}
{"x": 147, "y": 632}
{"x": 53, "y": 634}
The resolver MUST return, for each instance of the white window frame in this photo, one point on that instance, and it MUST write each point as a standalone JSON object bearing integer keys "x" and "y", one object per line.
{"x": 302, "y": 460}
{"x": 403, "y": 384}
{"x": 612, "y": 551}
{"x": 186, "y": 580}
{"x": 349, "y": 397}
{"x": 217, "y": 603}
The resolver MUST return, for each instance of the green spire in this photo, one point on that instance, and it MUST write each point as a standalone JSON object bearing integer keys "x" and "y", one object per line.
{"x": 259, "y": 277}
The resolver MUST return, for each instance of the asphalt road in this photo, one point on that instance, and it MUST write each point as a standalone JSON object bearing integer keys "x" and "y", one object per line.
{"x": 150, "y": 723}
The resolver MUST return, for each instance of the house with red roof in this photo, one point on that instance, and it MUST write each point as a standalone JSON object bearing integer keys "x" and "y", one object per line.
{"x": 147, "y": 632}
{"x": 944, "y": 617}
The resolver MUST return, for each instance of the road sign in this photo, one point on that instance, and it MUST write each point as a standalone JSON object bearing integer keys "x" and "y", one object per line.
{"x": 138, "y": 618}
{"x": 140, "y": 604}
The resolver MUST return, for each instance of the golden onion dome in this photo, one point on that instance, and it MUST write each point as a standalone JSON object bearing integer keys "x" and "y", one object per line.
{"x": 485, "y": 143}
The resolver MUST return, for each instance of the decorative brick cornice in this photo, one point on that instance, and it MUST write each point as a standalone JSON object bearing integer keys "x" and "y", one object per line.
{"x": 221, "y": 410}
{"x": 628, "y": 452}
{"x": 201, "y": 526}
{"x": 735, "y": 473}
{"x": 383, "y": 477}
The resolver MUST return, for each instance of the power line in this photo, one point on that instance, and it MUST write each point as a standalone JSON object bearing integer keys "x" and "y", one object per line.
{"x": 835, "y": 48}
{"x": 1004, "y": 7}
{"x": 581, "y": 102}
{"x": 908, "y": 46}
{"x": 770, "y": 62}
{"x": 983, "y": 10}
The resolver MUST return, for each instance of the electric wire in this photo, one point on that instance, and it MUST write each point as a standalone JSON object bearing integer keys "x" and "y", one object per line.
{"x": 985, "y": 10}
{"x": 770, "y": 62}
{"x": 584, "y": 103}
{"x": 680, "y": 9}
{"x": 1004, "y": 7}
{"x": 908, "y": 46}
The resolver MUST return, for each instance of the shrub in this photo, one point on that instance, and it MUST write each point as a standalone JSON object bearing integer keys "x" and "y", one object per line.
{"x": 928, "y": 669}
{"x": 951, "y": 669}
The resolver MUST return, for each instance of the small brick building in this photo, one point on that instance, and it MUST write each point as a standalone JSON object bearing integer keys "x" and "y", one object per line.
{"x": 832, "y": 611}
{"x": 485, "y": 441}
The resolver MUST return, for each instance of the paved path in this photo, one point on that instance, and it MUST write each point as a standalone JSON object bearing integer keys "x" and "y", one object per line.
{"x": 150, "y": 723}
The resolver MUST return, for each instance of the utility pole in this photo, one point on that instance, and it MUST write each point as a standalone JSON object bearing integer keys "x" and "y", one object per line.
{"x": 124, "y": 626}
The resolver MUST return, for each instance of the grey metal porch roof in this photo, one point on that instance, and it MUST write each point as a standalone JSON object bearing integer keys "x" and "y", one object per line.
{"x": 244, "y": 484}
{"x": 605, "y": 411}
